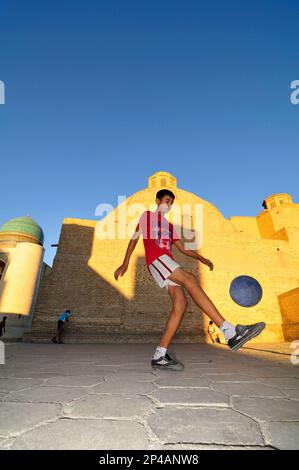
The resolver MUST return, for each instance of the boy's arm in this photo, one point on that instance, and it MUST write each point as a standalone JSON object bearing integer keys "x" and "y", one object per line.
{"x": 193, "y": 254}
{"x": 131, "y": 247}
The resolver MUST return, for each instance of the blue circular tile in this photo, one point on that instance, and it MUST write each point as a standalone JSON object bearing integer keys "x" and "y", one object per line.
{"x": 245, "y": 291}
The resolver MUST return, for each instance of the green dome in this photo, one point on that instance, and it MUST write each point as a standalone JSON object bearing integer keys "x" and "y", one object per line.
{"x": 24, "y": 225}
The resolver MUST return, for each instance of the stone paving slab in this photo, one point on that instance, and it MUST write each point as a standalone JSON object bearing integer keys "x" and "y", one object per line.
{"x": 284, "y": 436}
{"x": 110, "y": 406}
{"x": 93, "y": 434}
{"x": 73, "y": 370}
{"x": 180, "y": 380}
{"x": 267, "y": 409}
{"x": 244, "y": 389}
{"x": 228, "y": 378}
{"x": 277, "y": 348}
{"x": 106, "y": 396}
{"x": 5, "y": 443}
{"x": 276, "y": 372}
{"x": 74, "y": 381}
{"x": 204, "y": 426}
{"x": 19, "y": 417}
{"x": 13, "y": 384}
{"x": 133, "y": 376}
{"x": 191, "y": 396}
{"x": 121, "y": 386}
{"x": 282, "y": 382}
{"x": 293, "y": 394}
{"x": 2, "y": 396}
{"x": 47, "y": 395}
{"x": 208, "y": 447}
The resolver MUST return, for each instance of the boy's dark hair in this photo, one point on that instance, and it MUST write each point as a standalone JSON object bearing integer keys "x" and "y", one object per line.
{"x": 164, "y": 192}
{"x": 210, "y": 322}
{"x": 67, "y": 311}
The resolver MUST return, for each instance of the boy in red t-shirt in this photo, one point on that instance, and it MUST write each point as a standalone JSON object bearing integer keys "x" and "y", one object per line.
{"x": 158, "y": 237}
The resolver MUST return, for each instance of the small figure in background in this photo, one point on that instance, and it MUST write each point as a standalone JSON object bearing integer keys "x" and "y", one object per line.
{"x": 64, "y": 317}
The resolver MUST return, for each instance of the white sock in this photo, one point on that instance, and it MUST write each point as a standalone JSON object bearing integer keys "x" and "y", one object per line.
{"x": 228, "y": 330}
{"x": 160, "y": 352}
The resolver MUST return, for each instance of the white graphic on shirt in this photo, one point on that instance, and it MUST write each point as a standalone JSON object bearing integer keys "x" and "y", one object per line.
{"x": 162, "y": 235}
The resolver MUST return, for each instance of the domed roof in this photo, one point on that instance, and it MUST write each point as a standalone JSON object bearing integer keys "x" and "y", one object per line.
{"x": 23, "y": 225}
{"x": 214, "y": 222}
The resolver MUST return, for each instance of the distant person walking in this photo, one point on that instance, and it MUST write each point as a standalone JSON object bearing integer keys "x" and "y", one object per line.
{"x": 2, "y": 325}
{"x": 64, "y": 317}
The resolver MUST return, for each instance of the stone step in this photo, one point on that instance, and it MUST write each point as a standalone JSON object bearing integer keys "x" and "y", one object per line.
{"x": 106, "y": 338}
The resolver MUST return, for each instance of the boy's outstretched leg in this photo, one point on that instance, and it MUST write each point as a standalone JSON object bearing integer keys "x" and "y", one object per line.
{"x": 179, "y": 305}
{"x": 161, "y": 359}
{"x": 235, "y": 336}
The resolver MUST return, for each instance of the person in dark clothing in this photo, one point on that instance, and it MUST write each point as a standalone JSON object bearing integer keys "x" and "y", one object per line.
{"x": 64, "y": 317}
{"x": 2, "y": 325}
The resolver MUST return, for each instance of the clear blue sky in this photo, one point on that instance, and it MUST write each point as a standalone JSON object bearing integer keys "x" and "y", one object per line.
{"x": 101, "y": 94}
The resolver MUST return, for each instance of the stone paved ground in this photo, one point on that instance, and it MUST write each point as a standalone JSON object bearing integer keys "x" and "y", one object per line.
{"x": 107, "y": 397}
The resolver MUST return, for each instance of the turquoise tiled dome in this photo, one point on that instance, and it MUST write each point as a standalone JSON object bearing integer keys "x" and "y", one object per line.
{"x": 23, "y": 225}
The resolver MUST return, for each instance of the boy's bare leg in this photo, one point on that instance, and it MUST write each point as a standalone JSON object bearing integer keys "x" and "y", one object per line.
{"x": 189, "y": 281}
{"x": 236, "y": 336}
{"x": 179, "y": 305}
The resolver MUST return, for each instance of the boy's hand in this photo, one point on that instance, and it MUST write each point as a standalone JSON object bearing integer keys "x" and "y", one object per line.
{"x": 120, "y": 271}
{"x": 208, "y": 263}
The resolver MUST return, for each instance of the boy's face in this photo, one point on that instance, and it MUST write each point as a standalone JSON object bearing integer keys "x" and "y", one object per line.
{"x": 164, "y": 204}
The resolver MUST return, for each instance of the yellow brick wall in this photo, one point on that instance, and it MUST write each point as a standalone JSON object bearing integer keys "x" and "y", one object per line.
{"x": 135, "y": 309}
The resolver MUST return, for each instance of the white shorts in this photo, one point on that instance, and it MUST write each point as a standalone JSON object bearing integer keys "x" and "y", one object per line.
{"x": 161, "y": 268}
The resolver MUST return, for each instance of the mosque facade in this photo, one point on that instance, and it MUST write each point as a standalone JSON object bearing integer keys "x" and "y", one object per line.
{"x": 255, "y": 275}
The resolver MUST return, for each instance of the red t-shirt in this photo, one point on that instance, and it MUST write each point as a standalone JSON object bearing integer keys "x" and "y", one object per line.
{"x": 158, "y": 235}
